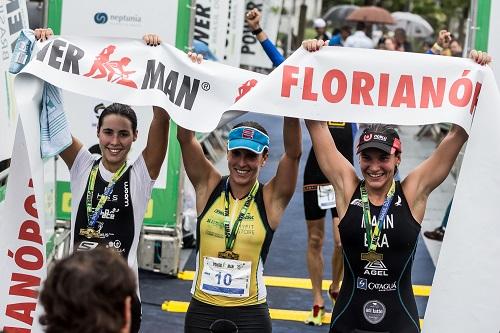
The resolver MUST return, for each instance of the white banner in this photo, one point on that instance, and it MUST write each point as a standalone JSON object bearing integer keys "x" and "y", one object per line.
{"x": 334, "y": 83}
{"x": 22, "y": 227}
{"x": 465, "y": 289}
{"x": 252, "y": 53}
{"x": 13, "y": 18}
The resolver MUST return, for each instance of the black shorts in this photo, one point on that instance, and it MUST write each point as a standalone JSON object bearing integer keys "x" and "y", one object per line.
{"x": 311, "y": 209}
{"x": 249, "y": 319}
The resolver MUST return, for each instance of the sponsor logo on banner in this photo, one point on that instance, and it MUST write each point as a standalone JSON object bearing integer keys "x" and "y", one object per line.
{"x": 245, "y": 88}
{"x": 180, "y": 89}
{"x": 117, "y": 19}
{"x": 357, "y": 88}
{"x": 112, "y": 70}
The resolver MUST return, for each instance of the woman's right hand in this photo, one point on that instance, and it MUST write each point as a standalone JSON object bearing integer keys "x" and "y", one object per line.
{"x": 42, "y": 34}
{"x": 151, "y": 39}
{"x": 313, "y": 45}
{"x": 195, "y": 57}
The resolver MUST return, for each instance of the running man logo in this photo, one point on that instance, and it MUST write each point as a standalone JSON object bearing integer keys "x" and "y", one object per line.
{"x": 114, "y": 70}
{"x": 245, "y": 88}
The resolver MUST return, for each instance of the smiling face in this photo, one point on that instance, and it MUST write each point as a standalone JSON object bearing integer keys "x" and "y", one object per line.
{"x": 115, "y": 140}
{"x": 244, "y": 166}
{"x": 378, "y": 167}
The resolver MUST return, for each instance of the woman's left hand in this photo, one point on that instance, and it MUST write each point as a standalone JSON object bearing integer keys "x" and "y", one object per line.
{"x": 313, "y": 45}
{"x": 195, "y": 57}
{"x": 480, "y": 57}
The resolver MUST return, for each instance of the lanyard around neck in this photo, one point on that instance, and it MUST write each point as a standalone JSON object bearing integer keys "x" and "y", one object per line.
{"x": 372, "y": 237}
{"x": 92, "y": 217}
{"x": 231, "y": 233}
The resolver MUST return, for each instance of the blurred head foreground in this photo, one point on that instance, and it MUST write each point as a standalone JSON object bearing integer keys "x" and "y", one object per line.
{"x": 88, "y": 292}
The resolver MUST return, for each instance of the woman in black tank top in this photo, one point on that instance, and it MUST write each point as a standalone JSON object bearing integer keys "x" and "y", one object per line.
{"x": 376, "y": 293}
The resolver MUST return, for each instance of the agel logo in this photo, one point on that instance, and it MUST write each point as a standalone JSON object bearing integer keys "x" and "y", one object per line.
{"x": 100, "y": 18}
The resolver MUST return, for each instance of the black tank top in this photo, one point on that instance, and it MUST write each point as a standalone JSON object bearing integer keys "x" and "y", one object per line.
{"x": 116, "y": 218}
{"x": 343, "y": 135}
{"x": 378, "y": 296}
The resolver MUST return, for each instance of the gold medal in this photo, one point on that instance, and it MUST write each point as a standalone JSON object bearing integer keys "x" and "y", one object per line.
{"x": 229, "y": 255}
{"x": 372, "y": 256}
{"x": 90, "y": 233}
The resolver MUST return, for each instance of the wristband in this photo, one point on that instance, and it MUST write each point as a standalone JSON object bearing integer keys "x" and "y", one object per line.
{"x": 437, "y": 47}
{"x": 256, "y": 31}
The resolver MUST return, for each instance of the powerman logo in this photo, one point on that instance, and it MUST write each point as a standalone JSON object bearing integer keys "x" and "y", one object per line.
{"x": 101, "y": 18}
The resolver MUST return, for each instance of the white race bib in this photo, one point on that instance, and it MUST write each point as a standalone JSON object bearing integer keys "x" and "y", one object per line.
{"x": 326, "y": 196}
{"x": 226, "y": 277}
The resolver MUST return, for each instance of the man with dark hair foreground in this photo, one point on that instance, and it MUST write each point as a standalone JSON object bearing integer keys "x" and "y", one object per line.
{"x": 89, "y": 292}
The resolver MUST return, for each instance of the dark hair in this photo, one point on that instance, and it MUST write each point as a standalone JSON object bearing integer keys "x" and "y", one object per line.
{"x": 252, "y": 124}
{"x": 86, "y": 292}
{"x": 360, "y": 26}
{"x": 121, "y": 110}
{"x": 345, "y": 28}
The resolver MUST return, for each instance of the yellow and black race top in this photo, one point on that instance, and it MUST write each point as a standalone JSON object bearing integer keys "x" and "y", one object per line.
{"x": 252, "y": 243}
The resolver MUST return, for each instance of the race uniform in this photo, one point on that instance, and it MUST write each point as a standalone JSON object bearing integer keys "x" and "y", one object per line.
{"x": 343, "y": 135}
{"x": 377, "y": 296}
{"x": 225, "y": 288}
{"x": 121, "y": 217}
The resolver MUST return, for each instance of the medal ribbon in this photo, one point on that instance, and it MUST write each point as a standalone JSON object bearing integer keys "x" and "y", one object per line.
{"x": 372, "y": 237}
{"x": 92, "y": 217}
{"x": 231, "y": 234}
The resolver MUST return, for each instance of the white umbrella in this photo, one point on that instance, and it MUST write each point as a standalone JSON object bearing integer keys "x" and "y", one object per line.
{"x": 414, "y": 25}
{"x": 336, "y": 15}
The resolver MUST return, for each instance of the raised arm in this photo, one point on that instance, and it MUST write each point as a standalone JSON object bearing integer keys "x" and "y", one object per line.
{"x": 69, "y": 154}
{"x": 337, "y": 169}
{"x": 252, "y": 18}
{"x": 156, "y": 147}
{"x": 434, "y": 170}
{"x": 199, "y": 169}
{"x": 280, "y": 189}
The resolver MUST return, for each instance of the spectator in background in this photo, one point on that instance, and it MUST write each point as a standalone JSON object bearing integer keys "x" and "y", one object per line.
{"x": 89, "y": 292}
{"x": 339, "y": 36}
{"x": 456, "y": 48}
{"x": 401, "y": 43}
{"x": 320, "y": 27}
{"x": 359, "y": 38}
